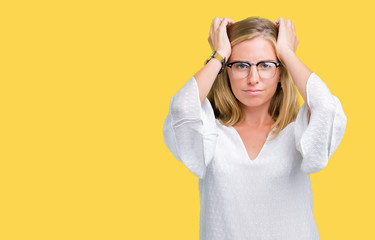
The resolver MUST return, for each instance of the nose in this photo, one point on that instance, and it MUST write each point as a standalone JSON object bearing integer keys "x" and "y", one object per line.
{"x": 253, "y": 77}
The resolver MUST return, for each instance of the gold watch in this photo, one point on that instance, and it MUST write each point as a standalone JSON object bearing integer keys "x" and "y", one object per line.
{"x": 216, "y": 55}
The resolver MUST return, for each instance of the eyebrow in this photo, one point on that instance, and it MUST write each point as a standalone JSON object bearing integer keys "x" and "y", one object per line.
{"x": 258, "y": 61}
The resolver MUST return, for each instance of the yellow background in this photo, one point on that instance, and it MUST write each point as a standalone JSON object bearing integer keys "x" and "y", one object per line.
{"x": 85, "y": 89}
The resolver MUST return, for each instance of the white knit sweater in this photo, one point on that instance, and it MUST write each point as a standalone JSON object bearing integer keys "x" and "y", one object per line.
{"x": 269, "y": 197}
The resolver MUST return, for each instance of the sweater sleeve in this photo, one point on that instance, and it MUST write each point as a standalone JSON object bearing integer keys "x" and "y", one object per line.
{"x": 318, "y": 138}
{"x": 190, "y": 130}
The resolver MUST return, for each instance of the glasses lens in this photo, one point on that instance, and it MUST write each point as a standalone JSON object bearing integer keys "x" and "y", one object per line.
{"x": 266, "y": 70}
{"x": 240, "y": 70}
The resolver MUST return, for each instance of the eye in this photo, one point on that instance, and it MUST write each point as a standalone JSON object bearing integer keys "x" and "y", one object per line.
{"x": 240, "y": 66}
{"x": 266, "y": 65}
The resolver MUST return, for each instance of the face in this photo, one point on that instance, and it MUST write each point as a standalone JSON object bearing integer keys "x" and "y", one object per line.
{"x": 253, "y": 51}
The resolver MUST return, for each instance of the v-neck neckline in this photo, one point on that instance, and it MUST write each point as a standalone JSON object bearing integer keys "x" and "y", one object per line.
{"x": 244, "y": 147}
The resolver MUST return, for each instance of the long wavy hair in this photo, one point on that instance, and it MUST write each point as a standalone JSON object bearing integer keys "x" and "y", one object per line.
{"x": 284, "y": 105}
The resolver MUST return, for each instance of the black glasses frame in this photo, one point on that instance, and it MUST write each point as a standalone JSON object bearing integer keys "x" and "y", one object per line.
{"x": 256, "y": 64}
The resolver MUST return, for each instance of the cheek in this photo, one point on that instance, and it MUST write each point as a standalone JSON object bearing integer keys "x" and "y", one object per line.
{"x": 235, "y": 86}
{"x": 275, "y": 82}
{"x": 272, "y": 87}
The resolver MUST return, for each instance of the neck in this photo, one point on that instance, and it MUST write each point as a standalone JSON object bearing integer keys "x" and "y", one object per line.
{"x": 256, "y": 116}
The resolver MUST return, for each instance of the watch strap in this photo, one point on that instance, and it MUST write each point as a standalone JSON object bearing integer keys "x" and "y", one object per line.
{"x": 216, "y": 55}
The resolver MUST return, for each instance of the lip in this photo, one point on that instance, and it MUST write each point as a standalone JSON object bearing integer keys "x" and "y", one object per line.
{"x": 253, "y": 92}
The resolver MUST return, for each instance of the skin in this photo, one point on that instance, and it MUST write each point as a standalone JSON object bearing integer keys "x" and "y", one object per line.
{"x": 255, "y": 107}
{"x": 255, "y": 125}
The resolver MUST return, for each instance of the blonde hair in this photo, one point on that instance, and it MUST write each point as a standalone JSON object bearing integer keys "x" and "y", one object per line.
{"x": 284, "y": 105}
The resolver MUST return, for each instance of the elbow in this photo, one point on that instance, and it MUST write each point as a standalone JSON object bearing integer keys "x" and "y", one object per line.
{"x": 313, "y": 166}
{"x": 194, "y": 164}
{"x": 328, "y": 106}
{"x": 178, "y": 109}
{"x": 182, "y": 109}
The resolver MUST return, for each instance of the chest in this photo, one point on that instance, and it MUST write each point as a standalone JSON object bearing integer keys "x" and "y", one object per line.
{"x": 253, "y": 141}
{"x": 254, "y": 155}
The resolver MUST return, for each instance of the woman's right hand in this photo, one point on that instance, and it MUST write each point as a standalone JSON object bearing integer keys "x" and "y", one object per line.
{"x": 218, "y": 38}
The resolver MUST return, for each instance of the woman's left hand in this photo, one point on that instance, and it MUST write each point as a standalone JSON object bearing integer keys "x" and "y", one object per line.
{"x": 286, "y": 40}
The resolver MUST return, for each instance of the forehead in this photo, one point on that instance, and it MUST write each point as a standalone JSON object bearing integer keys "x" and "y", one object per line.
{"x": 253, "y": 50}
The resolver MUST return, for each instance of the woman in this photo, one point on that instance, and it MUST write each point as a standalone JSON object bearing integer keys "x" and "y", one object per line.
{"x": 236, "y": 124}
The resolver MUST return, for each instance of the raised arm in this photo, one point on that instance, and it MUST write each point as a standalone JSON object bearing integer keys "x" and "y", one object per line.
{"x": 190, "y": 130}
{"x": 219, "y": 41}
{"x": 321, "y": 121}
{"x": 286, "y": 47}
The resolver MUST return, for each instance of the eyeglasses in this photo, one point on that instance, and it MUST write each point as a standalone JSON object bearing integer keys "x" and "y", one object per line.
{"x": 241, "y": 69}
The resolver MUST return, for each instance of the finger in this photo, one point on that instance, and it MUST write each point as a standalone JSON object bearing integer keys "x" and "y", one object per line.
{"x": 216, "y": 23}
{"x": 281, "y": 22}
{"x": 277, "y": 22}
{"x": 213, "y": 22}
{"x": 209, "y": 42}
{"x": 216, "y": 19}
{"x": 212, "y": 25}
{"x": 224, "y": 22}
{"x": 288, "y": 23}
{"x": 230, "y": 21}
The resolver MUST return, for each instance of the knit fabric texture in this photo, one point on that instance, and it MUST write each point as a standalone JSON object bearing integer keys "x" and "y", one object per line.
{"x": 269, "y": 197}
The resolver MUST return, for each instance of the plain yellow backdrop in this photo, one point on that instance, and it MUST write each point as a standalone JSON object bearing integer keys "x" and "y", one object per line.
{"x": 85, "y": 89}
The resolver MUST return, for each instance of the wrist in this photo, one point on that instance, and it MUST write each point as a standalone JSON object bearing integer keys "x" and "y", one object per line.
{"x": 216, "y": 60}
{"x": 286, "y": 52}
{"x": 223, "y": 54}
{"x": 220, "y": 60}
